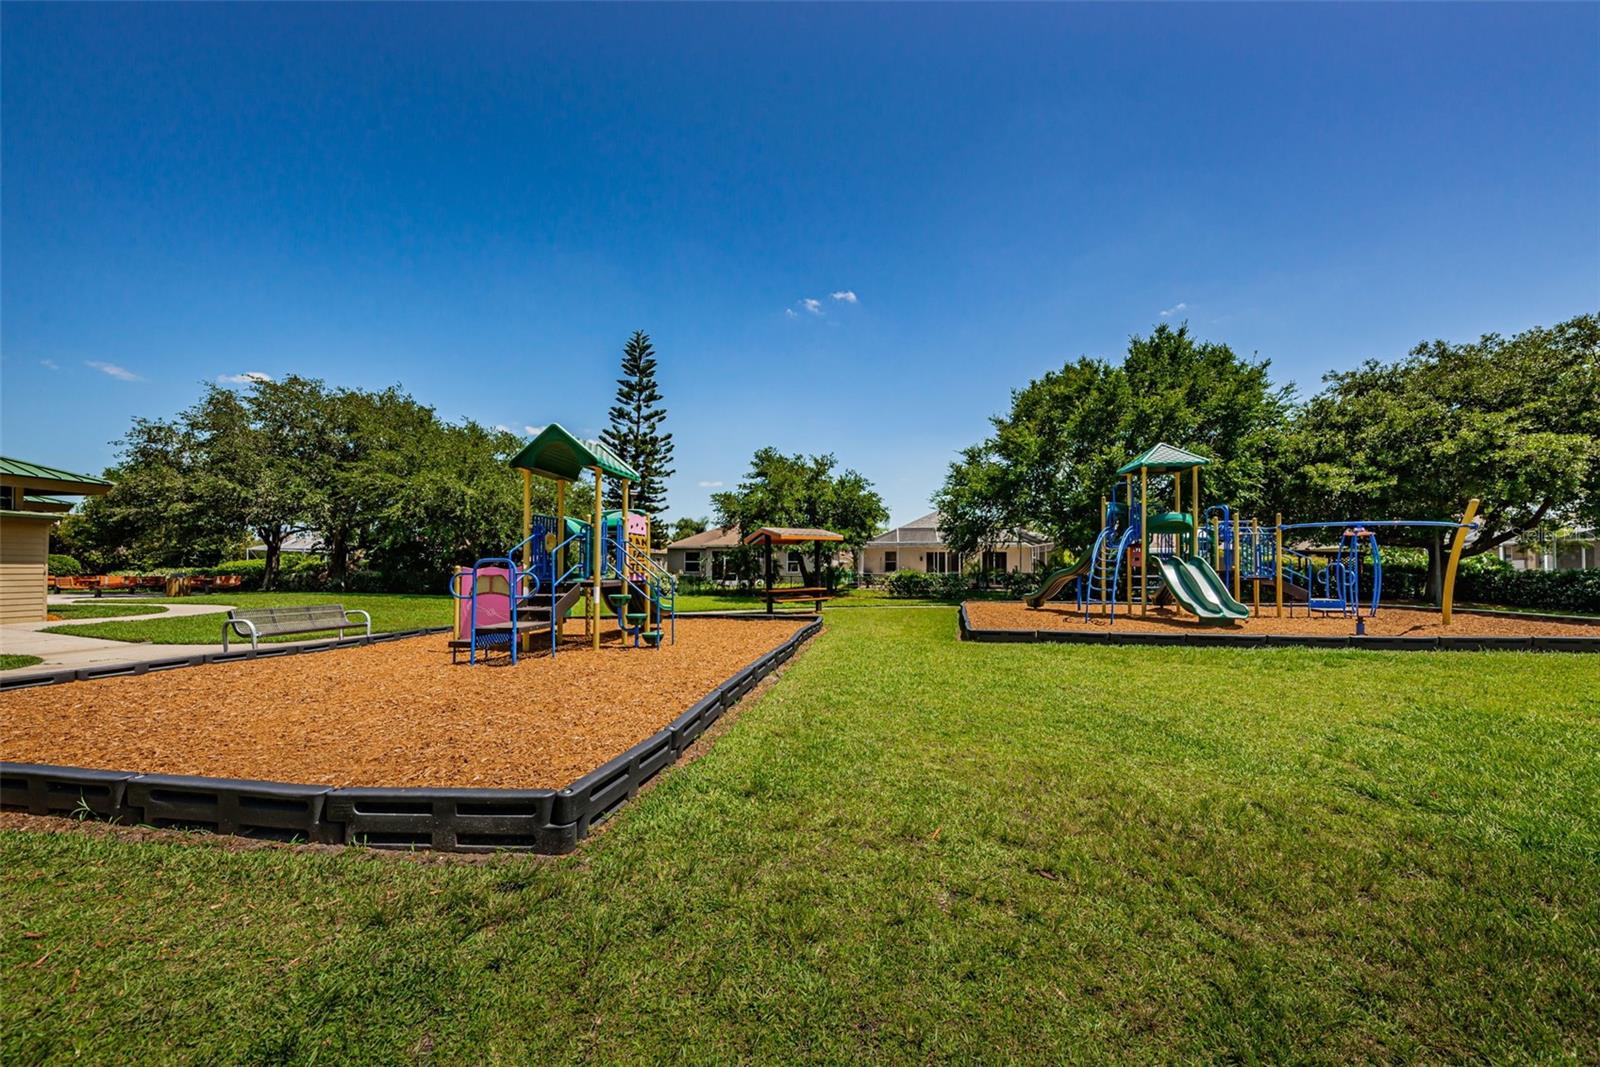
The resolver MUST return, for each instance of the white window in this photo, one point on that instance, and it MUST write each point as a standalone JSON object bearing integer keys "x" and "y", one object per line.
{"x": 891, "y": 562}
{"x": 691, "y": 562}
{"x": 994, "y": 562}
{"x": 794, "y": 563}
{"x": 939, "y": 562}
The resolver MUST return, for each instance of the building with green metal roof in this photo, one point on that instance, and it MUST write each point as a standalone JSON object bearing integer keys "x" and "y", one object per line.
{"x": 27, "y": 513}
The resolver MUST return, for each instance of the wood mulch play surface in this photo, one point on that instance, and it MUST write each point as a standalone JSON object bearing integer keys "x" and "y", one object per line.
{"x": 1389, "y": 622}
{"x": 391, "y": 714}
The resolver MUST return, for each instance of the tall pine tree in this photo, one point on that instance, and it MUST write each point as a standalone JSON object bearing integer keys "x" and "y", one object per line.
{"x": 635, "y": 434}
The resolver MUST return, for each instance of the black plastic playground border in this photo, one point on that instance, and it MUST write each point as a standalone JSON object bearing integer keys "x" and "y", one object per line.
{"x": 438, "y": 818}
{"x": 1224, "y": 639}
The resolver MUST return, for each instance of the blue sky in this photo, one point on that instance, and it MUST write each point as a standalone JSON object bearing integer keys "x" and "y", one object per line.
{"x": 482, "y": 202}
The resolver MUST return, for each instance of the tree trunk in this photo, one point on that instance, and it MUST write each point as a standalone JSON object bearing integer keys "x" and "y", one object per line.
{"x": 1435, "y": 569}
{"x": 338, "y": 556}
{"x": 269, "y": 574}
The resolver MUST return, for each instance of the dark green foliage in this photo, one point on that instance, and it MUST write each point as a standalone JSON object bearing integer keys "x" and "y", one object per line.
{"x": 64, "y": 566}
{"x": 398, "y": 495}
{"x": 688, "y": 526}
{"x": 803, "y": 491}
{"x": 1056, "y": 452}
{"x": 1514, "y": 422}
{"x": 636, "y": 436}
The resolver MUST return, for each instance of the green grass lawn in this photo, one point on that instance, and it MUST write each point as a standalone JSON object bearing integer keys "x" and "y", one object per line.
{"x": 10, "y": 663}
{"x": 390, "y": 611}
{"x": 103, "y": 611}
{"x": 909, "y": 850}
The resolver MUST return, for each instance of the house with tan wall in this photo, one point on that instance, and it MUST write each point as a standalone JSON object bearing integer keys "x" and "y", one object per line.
{"x": 28, "y": 511}
{"x": 919, "y": 546}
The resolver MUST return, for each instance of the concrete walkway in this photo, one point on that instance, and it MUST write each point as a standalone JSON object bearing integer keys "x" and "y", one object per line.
{"x": 157, "y": 611}
{"x": 64, "y": 651}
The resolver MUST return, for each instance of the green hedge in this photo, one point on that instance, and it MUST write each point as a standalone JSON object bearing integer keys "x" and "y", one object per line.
{"x": 916, "y": 584}
{"x": 64, "y": 566}
{"x": 1485, "y": 579}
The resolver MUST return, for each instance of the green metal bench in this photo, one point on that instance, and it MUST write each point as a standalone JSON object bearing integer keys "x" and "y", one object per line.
{"x": 256, "y": 623}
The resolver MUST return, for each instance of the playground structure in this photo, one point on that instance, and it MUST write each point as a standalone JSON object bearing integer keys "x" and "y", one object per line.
{"x": 504, "y": 603}
{"x": 1202, "y": 561}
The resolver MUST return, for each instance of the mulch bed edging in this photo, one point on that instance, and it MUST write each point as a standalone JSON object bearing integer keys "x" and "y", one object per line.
{"x": 1485, "y": 643}
{"x": 443, "y": 819}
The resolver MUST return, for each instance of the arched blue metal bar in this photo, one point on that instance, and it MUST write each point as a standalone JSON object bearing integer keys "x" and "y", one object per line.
{"x": 1343, "y": 523}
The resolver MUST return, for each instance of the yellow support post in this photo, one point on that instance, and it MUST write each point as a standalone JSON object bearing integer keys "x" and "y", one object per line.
{"x": 527, "y": 519}
{"x": 1277, "y": 562}
{"x": 1456, "y": 546}
{"x": 1144, "y": 540}
{"x": 596, "y": 534}
{"x": 1194, "y": 508}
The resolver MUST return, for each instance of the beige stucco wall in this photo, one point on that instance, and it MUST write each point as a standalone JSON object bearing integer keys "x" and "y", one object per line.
{"x": 24, "y": 548}
{"x": 914, "y": 557}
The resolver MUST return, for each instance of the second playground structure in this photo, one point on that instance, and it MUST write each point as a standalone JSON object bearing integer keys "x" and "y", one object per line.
{"x": 1202, "y": 560}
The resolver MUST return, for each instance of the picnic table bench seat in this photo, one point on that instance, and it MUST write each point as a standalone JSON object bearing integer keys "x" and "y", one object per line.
{"x": 256, "y": 623}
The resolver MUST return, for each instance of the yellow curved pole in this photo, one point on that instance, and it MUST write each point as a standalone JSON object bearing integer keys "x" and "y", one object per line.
{"x": 1456, "y": 546}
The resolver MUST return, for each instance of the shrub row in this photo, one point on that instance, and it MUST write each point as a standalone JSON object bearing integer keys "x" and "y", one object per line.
{"x": 1497, "y": 583}
{"x": 906, "y": 584}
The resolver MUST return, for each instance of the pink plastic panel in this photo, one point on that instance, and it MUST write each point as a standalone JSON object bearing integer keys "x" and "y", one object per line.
{"x": 494, "y": 598}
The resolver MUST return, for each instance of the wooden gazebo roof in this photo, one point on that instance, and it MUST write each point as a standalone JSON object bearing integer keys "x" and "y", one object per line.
{"x": 789, "y": 535}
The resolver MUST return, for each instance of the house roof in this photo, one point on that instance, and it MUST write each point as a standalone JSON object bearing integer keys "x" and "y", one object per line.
{"x": 38, "y": 477}
{"x": 925, "y": 531}
{"x": 555, "y": 453}
{"x": 790, "y": 535}
{"x": 1163, "y": 457}
{"x": 716, "y": 537}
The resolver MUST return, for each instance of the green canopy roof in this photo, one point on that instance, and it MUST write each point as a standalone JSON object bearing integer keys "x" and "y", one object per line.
{"x": 555, "y": 453}
{"x": 1163, "y": 457}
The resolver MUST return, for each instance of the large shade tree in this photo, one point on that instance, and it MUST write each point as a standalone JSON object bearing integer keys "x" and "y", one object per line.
{"x": 1052, "y": 456}
{"x": 377, "y": 476}
{"x": 1512, "y": 421}
{"x": 803, "y": 491}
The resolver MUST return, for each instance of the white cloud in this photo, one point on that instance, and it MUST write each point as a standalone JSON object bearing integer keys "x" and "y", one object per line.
{"x": 847, "y": 295}
{"x": 1174, "y": 309}
{"x": 791, "y": 313}
{"x": 533, "y": 431}
{"x": 49, "y": 364}
{"x": 122, "y": 374}
{"x": 243, "y": 379}
{"x": 813, "y": 306}
{"x": 709, "y": 485}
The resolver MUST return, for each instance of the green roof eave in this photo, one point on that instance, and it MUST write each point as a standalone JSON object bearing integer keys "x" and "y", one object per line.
{"x": 555, "y": 453}
{"x": 37, "y": 478}
{"x": 1163, "y": 457}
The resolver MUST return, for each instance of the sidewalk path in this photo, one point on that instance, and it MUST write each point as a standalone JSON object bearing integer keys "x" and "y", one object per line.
{"x": 63, "y": 651}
